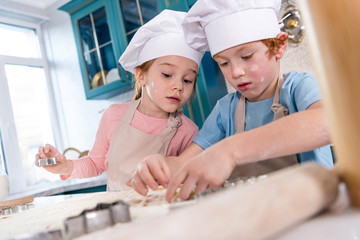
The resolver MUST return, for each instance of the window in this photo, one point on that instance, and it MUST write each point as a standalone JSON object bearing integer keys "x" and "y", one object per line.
{"x": 26, "y": 112}
{"x": 30, "y": 106}
{"x": 18, "y": 42}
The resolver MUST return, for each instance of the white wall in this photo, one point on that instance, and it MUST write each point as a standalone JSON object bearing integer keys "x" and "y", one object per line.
{"x": 78, "y": 117}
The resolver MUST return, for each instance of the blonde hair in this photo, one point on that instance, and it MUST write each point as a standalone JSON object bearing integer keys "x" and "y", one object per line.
{"x": 143, "y": 69}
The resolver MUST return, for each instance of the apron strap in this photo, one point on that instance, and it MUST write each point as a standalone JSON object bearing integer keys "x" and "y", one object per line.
{"x": 278, "y": 109}
{"x": 129, "y": 113}
{"x": 240, "y": 115}
{"x": 173, "y": 123}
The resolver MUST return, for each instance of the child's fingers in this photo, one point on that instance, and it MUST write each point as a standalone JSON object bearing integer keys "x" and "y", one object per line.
{"x": 188, "y": 186}
{"x": 59, "y": 158}
{"x": 166, "y": 171}
{"x": 145, "y": 175}
{"x": 128, "y": 183}
{"x": 47, "y": 151}
{"x": 37, "y": 157}
{"x": 48, "y": 148}
{"x": 201, "y": 186}
{"x": 174, "y": 184}
{"x": 138, "y": 185}
{"x": 41, "y": 152}
{"x": 160, "y": 172}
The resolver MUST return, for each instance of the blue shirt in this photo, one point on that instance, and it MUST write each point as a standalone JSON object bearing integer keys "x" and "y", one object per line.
{"x": 298, "y": 92}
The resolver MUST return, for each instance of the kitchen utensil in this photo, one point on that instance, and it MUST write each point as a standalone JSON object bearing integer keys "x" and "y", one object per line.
{"x": 335, "y": 38}
{"x": 15, "y": 205}
{"x": 73, "y": 152}
{"x": 46, "y": 162}
{"x": 99, "y": 79}
{"x": 112, "y": 75}
{"x": 102, "y": 216}
{"x": 293, "y": 24}
{"x": 15, "y": 209}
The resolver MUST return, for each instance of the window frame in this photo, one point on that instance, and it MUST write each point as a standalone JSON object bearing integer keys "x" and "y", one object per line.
{"x": 11, "y": 151}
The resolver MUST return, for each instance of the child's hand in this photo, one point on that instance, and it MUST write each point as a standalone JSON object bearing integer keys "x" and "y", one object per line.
{"x": 209, "y": 169}
{"x": 62, "y": 165}
{"x": 151, "y": 172}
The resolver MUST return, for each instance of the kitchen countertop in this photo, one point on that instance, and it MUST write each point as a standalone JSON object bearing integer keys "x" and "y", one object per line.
{"x": 330, "y": 226}
{"x": 342, "y": 221}
{"x": 48, "y": 213}
{"x": 60, "y": 186}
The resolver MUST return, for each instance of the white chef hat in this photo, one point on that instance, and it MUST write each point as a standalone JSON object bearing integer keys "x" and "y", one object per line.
{"x": 161, "y": 36}
{"x": 217, "y": 25}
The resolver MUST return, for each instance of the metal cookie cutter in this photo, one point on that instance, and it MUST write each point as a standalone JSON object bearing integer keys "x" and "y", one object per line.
{"x": 102, "y": 216}
{"x": 14, "y": 209}
{"x": 46, "y": 162}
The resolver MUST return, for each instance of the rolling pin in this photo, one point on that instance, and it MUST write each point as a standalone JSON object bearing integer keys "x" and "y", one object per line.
{"x": 260, "y": 211}
{"x": 334, "y": 36}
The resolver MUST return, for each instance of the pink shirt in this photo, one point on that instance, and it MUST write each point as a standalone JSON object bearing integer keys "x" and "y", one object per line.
{"x": 97, "y": 160}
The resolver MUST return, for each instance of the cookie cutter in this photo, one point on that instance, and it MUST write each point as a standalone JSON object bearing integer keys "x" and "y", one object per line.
{"x": 46, "y": 162}
{"x": 15, "y": 209}
{"x": 102, "y": 216}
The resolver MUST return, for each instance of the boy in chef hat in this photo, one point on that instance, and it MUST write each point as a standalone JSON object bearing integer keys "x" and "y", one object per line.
{"x": 166, "y": 70}
{"x": 245, "y": 40}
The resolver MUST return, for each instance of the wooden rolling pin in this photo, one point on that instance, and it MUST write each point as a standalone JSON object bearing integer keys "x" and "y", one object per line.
{"x": 334, "y": 34}
{"x": 257, "y": 211}
{"x": 16, "y": 202}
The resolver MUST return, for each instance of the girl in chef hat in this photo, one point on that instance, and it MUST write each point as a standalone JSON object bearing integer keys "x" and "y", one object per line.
{"x": 270, "y": 118}
{"x": 166, "y": 69}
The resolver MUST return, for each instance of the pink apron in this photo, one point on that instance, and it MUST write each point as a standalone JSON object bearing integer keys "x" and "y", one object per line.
{"x": 269, "y": 165}
{"x": 130, "y": 145}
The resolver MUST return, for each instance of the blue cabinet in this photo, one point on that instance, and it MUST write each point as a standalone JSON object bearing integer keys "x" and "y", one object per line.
{"x": 100, "y": 41}
{"x": 102, "y": 30}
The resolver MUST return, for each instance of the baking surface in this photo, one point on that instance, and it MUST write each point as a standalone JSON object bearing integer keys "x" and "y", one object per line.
{"x": 52, "y": 216}
{"x": 258, "y": 211}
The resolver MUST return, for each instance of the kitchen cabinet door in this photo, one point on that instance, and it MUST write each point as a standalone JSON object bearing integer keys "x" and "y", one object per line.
{"x": 100, "y": 42}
